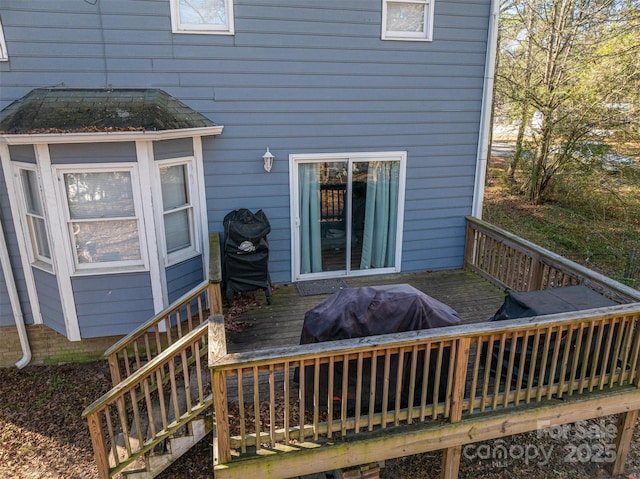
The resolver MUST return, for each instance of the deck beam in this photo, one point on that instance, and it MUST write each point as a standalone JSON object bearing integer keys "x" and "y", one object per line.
{"x": 415, "y": 439}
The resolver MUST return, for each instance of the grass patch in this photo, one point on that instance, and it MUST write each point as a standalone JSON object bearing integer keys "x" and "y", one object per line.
{"x": 592, "y": 218}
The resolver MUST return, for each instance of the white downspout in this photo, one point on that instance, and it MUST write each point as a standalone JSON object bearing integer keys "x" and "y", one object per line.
{"x": 485, "y": 114}
{"x": 15, "y": 302}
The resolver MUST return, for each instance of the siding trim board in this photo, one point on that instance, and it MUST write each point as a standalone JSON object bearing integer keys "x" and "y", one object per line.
{"x": 18, "y": 225}
{"x": 60, "y": 247}
{"x": 106, "y": 137}
{"x": 144, "y": 151}
{"x": 4, "y": 54}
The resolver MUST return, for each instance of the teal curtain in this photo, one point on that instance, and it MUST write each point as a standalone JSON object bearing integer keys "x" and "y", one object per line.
{"x": 309, "y": 201}
{"x": 381, "y": 215}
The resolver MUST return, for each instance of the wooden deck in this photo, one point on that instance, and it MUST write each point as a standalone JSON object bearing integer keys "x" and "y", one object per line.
{"x": 280, "y": 323}
{"x": 260, "y": 429}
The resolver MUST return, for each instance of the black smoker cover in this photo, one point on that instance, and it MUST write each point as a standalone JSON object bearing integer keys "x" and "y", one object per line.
{"x": 367, "y": 311}
{"x": 538, "y": 303}
{"x": 246, "y": 252}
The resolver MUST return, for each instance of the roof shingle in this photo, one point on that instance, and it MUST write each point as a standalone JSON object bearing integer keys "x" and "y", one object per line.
{"x": 61, "y": 110}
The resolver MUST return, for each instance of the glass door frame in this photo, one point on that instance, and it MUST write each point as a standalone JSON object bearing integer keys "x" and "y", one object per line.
{"x": 294, "y": 161}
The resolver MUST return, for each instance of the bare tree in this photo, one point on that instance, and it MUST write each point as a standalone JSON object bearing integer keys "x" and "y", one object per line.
{"x": 552, "y": 62}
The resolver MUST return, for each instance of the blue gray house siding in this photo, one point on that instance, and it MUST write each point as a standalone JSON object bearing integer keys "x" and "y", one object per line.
{"x": 49, "y": 300}
{"x": 183, "y": 277}
{"x": 6, "y": 316}
{"x": 298, "y": 76}
{"x": 115, "y": 310}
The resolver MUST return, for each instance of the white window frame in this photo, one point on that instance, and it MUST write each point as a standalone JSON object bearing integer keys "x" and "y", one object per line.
{"x": 196, "y": 28}
{"x": 195, "y": 247}
{"x": 424, "y": 36}
{"x": 4, "y": 54}
{"x": 35, "y": 258}
{"x": 103, "y": 267}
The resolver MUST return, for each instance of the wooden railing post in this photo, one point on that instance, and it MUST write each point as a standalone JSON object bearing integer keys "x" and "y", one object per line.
{"x": 215, "y": 274}
{"x": 217, "y": 350}
{"x": 537, "y": 269}
{"x": 215, "y": 298}
{"x": 451, "y": 456}
{"x": 469, "y": 246}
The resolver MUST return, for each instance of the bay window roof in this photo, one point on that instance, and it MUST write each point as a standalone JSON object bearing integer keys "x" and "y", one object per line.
{"x": 65, "y": 110}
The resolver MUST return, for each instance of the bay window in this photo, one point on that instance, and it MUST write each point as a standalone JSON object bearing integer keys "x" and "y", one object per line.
{"x": 177, "y": 209}
{"x": 102, "y": 215}
{"x": 34, "y": 216}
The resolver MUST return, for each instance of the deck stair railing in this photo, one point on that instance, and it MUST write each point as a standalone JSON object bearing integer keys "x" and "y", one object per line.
{"x": 179, "y": 318}
{"x": 151, "y": 338}
{"x": 159, "y": 406}
{"x": 153, "y": 404}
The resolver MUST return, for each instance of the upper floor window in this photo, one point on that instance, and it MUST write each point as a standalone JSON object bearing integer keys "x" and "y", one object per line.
{"x": 202, "y": 16}
{"x": 34, "y": 216}
{"x": 177, "y": 210}
{"x": 407, "y": 19}
{"x": 4, "y": 55}
{"x": 102, "y": 215}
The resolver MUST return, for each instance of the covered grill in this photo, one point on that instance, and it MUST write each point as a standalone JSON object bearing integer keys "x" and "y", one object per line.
{"x": 246, "y": 253}
{"x": 538, "y": 303}
{"x": 368, "y": 311}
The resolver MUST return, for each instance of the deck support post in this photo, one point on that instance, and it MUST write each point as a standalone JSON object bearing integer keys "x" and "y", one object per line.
{"x": 100, "y": 454}
{"x": 626, "y": 424}
{"x": 451, "y": 456}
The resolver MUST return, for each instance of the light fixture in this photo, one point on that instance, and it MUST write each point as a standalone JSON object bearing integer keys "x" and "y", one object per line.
{"x": 268, "y": 160}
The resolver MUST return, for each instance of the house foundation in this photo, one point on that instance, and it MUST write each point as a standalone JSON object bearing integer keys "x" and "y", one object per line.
{"x": 50, "y": 347}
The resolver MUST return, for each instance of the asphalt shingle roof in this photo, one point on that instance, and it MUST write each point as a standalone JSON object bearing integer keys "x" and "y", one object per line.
{"x": 60, "y": 110}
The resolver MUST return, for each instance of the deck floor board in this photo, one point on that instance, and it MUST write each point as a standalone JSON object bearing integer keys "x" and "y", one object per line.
{"x": 280, "y": 323}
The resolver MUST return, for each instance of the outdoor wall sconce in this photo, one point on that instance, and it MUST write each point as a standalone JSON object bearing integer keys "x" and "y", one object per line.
{"x": 268, "y": 160}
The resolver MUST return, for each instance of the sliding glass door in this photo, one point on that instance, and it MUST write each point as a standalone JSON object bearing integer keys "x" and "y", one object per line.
{"x": 346, "y": 213}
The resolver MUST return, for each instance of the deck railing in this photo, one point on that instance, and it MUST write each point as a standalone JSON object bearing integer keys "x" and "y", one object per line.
{"x": 328, "y": 396}
{"x": 514, "y": 263}
{"x": 152, "y": 337}
{"x": 315, "y": 394}
{"x": 152, "y": 403}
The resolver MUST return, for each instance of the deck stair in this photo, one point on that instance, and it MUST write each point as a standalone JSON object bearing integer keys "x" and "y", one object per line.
{"x": 166, "y": 451}
{"x": 154, "y": 462}
{"x": 161, "y": 402}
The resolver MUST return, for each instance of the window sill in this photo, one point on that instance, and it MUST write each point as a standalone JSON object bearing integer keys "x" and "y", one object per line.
{"x": 107, "y": 271}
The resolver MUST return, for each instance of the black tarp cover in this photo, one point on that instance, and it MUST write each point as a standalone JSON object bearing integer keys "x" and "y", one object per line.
{"x": 246, "y": 252}
{"x": 537, "y": 303}
{"x": 368, "y": 311}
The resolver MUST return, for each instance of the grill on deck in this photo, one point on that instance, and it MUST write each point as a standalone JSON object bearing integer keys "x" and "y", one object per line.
{"x": 246, "y": 253}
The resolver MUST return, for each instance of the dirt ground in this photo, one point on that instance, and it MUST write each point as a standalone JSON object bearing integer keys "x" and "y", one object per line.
{"x": 42, "y": 435}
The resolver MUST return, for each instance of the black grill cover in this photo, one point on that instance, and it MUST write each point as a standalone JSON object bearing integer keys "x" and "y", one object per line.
{"x": 367, "y": 311}
{"x": 538, "y": 303}
{"x": 243, "y": 225}
{"x": 246, "y": 252}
